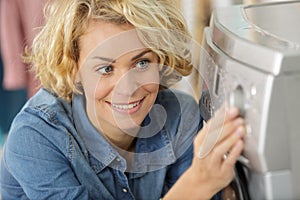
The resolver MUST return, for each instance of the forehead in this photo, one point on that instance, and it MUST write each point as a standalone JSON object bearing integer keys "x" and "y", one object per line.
{"x": 108, "y": 40}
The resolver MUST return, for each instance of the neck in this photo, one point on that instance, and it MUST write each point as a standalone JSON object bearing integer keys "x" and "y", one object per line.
{"x": 120, "y": 139}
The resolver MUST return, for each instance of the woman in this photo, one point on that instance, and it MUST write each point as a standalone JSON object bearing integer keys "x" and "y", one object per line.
{"x": 105, "y": 126}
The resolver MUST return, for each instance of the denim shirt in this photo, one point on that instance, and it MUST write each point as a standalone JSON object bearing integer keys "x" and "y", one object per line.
{"x": 54, "y": 152}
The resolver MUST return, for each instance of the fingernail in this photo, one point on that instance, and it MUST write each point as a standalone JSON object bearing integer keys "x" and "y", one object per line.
{"x": 239, "y": 131}
{"x": 233, "y": 112}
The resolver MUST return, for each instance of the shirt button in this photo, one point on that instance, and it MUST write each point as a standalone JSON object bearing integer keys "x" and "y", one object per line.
{"x": 124, "y": 190}
{"x": 118, "y": 159}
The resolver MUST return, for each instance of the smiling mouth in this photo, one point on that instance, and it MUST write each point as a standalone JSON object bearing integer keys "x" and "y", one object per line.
{"x": 125, "y": 107}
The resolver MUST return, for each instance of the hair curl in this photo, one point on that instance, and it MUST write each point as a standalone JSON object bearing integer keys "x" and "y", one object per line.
{"x": 55, "y": 50}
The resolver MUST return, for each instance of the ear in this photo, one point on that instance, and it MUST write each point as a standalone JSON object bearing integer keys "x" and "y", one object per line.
{"x": 77, "y": 79}
{"x": 78, "y": 84}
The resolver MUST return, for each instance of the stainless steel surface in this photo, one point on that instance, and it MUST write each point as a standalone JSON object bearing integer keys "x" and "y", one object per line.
{"x": 234, "y": 29}
{"x": 275, "y": 20}
{"x": 252, "y": 60}
{"x": 224, "y": 3}
{"x": 263, "y": 1}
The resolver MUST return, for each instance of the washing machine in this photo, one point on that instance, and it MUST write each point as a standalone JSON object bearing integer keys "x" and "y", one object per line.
{"x": 251, "y": 59}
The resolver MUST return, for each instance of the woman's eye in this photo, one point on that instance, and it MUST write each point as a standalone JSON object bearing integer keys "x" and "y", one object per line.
{"x": 105, "y": 70}
{"x": 142, "y": 65}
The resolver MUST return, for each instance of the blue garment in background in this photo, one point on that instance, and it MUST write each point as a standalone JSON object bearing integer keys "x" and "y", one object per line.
{"x": 10, "y": 104}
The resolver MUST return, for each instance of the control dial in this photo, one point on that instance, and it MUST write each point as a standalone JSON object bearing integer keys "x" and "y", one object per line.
{"x": 237, "y": 99}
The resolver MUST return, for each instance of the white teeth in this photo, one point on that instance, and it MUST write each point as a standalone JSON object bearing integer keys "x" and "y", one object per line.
{"x": 125, "y": 107}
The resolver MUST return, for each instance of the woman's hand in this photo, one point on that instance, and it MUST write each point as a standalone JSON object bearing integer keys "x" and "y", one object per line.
{"x": 216, "y": 150}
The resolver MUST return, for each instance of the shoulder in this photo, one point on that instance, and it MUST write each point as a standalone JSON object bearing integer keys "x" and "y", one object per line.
{"x": 44, "y": 118}
{"x": 43, "y": 109}
{"x": 178, "y": 103}
{"x": 46, "y": 105}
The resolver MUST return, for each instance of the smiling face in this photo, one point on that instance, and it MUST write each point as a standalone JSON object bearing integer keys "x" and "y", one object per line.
{"x": 119, "y": 76}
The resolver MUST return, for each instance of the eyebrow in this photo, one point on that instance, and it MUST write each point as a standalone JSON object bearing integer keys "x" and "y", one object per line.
{"x": 105, "y": 59}
{"x": 140, "y": 54}
{"x": 113, "y": 61}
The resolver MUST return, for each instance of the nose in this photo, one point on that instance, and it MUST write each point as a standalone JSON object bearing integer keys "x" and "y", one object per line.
{"x": 127, "y": 84}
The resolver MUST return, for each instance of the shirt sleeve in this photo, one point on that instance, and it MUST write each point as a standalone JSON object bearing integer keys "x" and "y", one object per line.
{"x": 178, "y": 168}
{"x": 38, "y": 166}
{"x": 190, "y": 124}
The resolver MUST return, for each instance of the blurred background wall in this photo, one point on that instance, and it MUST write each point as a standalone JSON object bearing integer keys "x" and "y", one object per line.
{"x": 197, "y": 14}
{"x": 19, "y": 20}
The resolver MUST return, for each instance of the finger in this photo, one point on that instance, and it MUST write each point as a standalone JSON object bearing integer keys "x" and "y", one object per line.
{"x": 222, "y": 116}
{"x": 230, "y": 127}
{"x": 226, "y": 145}
{"x": 208, "y": 143}
{"x": 200, "y": 137}
{"x": 214, "y": 137}
{"x": 231, "y": 113}
{"x": 234, "y": 154}
{"x": 218, "y": 119}
{"x": 210, "y": 138}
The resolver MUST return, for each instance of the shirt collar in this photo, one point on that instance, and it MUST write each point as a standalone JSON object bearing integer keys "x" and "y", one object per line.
{"x": 151, "y": 153}
{"x": 96, "y": 144}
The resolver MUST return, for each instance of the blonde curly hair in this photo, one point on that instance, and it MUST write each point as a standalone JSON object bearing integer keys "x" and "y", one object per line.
{"x": 55, "y": 51}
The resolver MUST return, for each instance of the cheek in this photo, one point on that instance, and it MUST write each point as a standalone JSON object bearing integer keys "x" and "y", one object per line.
{"x": 148, "y": 79}
{"x": 95, "y": 90}
{"x": 101, "y": 92}
{"x": 151, "y": 88}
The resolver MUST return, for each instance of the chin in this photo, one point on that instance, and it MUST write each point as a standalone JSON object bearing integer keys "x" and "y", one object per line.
{"x": 128, "y": 125}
